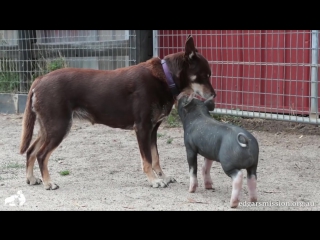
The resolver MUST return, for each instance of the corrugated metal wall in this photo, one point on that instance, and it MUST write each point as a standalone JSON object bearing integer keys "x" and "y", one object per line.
{"x": 253, "y": 70}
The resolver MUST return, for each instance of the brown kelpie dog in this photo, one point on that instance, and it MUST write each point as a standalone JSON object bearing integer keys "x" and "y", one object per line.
{"x": 137, "y": 97}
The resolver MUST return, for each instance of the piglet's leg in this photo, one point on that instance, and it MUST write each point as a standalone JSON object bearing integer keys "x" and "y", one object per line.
{"x": 192, "y": 161}
{"x": 206, "y": 173}
{"x": 237, "y": 178}
{"x": 252, "y": 182}
{"x": 252, "y": 187}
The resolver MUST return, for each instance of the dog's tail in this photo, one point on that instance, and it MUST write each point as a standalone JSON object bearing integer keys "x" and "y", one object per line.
{"x": 28, "y": 122}
{"x": 242, "y": 139}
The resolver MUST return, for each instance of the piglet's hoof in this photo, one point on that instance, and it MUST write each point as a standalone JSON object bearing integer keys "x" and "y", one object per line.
{"x": 208, "y": 186}
{"x": 234, "y": 203}
{"x": 193, "y": 187}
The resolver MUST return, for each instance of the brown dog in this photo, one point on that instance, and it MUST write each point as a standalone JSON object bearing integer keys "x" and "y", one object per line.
{"x": 136, "y": 97}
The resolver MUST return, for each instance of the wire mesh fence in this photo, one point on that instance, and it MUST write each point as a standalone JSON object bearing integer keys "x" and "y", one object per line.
{"x": 27, "y": 54}
{"x": 270, "y": 74}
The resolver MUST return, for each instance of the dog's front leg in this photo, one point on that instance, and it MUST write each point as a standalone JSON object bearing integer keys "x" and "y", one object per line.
{"x": 192, "y": 162}
{"x": 155, "y": 157}
{"x": 206, "y": 173}
{"x": 143, "y": 133}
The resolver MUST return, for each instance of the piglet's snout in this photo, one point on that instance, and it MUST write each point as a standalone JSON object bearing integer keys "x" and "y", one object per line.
{"x": 210, "y": 103}
{"x": 210, "y": 98}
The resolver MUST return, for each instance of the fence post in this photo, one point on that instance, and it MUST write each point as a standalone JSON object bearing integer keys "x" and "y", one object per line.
{"x": 144, "y": 45}
{"x": 155, "y": 43}
{"x": 26, "y": 38}
{"x": 314, "y": 74}
{"x": 133, "y": 47}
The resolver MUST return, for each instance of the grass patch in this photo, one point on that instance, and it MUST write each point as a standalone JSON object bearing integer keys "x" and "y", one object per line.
{"x": 173, "y": 119}
{"x": 64, "y": 173}
{"x": 227, "y": 119}
{"x": 44, "y": 66}
{"x": 159, "y": 135}
{"x": 169, "y": 141}
{"x": 15, "y": 165}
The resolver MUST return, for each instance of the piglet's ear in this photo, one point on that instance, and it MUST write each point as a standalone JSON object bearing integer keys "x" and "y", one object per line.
{"x": 190, "y": 49}
{"x": 189, "y": 100}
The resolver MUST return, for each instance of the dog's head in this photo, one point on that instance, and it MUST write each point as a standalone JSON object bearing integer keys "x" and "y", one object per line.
{"x": 192, "y": 71}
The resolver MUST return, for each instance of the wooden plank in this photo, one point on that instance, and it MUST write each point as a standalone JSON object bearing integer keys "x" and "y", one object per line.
{"x": 87, "y": 49}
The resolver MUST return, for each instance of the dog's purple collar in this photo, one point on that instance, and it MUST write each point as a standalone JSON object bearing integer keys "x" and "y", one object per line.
{"x": 174, "y": 90}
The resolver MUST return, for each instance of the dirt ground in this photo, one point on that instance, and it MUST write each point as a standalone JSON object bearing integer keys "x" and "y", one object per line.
{"x": 105, "y": 171}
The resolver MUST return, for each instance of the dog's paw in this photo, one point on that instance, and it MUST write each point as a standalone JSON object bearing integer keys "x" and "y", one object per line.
{"x": 34, "y": 181}
{"x": 51, "y": 186}
{"x": 159, "y": 183}
{"x": 169, "y": 180}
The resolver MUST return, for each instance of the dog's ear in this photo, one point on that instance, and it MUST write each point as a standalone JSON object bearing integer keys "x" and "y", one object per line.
{"x": 190, "y": 49}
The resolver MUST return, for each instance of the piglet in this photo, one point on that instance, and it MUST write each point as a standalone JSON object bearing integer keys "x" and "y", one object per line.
{"x": 232, "y": 146}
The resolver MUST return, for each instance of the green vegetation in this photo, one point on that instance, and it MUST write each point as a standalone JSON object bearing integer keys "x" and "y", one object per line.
{"x": 227, "y": 119}
{"x": 64, "y": 173}
{"x": 160, "y": 135}
{"x": 15, "y": 165}
{"x": 169, "y": 141}
{"x": 173, "y": 120}
{"x": 9, "y": 77}
{"x": 9, "y": 71}
{"x": 44, "y": 66}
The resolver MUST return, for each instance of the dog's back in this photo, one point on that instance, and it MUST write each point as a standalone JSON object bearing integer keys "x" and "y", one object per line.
{"x": 88, "y": 93}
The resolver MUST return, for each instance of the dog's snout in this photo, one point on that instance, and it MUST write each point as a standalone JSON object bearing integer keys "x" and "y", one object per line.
{"x": 214, "y": 94}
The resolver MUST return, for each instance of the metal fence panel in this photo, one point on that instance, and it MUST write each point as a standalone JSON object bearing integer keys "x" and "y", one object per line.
{"x": 270, "y": 74}
{"x": 26, "y": 54}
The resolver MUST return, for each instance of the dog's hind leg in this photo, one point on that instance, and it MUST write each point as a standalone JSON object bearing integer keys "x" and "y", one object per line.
{"x": 51, "y": 142}
{"x": 155, "y": 157}
{"x": 31, "y": 158}
{"x": 206, "y": 173}
{"x": 252, "y": 183}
